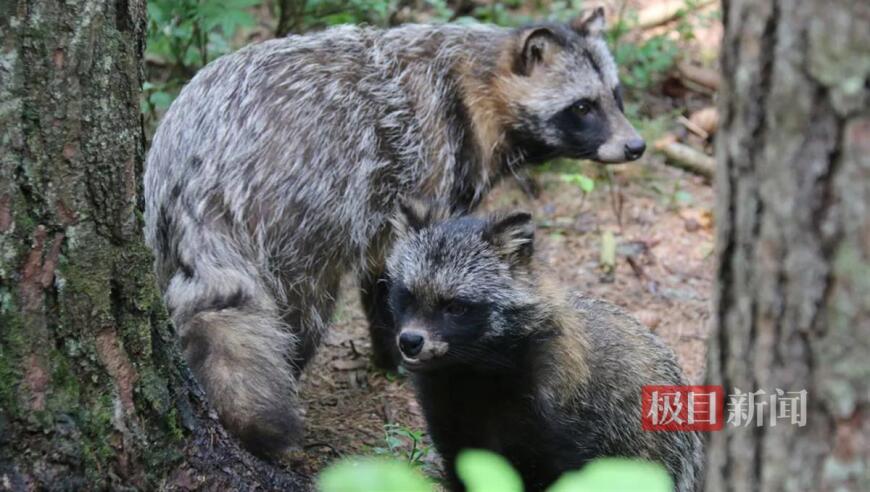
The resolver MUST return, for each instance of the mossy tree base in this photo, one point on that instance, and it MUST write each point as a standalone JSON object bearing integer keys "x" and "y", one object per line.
{"x": 92, "y": 390}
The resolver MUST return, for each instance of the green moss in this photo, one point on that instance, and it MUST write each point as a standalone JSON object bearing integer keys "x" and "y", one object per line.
{"x": 66, "y": 385}
{"x": 11, "y": 348}
{"x": 136, "y": 291}
{"x": 174, "y": 426}
{"x": 136, "y": 335}
{"x": 95, "y": 423}
{"x": 152, "y": 388}
{"x": 24, "y": 216}
{"x": 87, "y": 288}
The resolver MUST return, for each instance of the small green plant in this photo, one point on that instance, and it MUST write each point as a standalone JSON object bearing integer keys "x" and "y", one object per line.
{"x": 674, "y": 198}
{"x": 483, "y": 471}
{"x": 585, "y": 183}
{"x": 642, "y": 63}
{"x": 404, "y": 443}
{"x": 577, "y": 178}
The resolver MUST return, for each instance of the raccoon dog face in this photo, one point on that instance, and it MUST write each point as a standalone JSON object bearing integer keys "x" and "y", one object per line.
{"x": 459, "y": 289}
{"x": 565, "y": 95}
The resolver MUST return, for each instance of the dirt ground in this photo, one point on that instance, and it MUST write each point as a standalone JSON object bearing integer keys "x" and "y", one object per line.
{"x": 663, "y": 274}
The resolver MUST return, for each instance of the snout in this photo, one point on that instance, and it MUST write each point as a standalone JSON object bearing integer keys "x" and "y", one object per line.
{"x": 621, "y": 150}
{"x": 624, "y": 143}
{"x": 419, "y": 347}
{"x": 634, "y": 148}
{"x": 411, "y": 343}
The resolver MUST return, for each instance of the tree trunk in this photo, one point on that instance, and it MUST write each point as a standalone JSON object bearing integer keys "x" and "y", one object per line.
{"x": 792, "y": 301}
{"x": 92, "y": 389}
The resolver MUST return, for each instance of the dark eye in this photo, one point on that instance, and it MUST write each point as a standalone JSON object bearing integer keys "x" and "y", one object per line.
{"x": 582, "y": 108}
{"x": 455, "y": 308}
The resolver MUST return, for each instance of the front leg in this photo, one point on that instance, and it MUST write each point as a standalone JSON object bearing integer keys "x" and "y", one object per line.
{"x": 374, "y": 292}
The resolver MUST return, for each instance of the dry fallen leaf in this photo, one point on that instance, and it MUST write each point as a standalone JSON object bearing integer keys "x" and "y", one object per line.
{"x": 707, "y": 119}
{"x": 349, "y": 365}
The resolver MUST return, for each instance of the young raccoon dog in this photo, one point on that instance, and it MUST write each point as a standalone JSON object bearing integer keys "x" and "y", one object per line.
{"x": 502, "y": 361}
{"x": 277, "y": 169}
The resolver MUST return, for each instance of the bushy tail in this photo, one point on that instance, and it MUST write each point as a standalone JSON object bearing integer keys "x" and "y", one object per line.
{"x": 240, "y": 356}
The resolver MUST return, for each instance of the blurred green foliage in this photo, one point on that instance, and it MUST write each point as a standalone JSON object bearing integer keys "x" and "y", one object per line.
{"x": 184, "y": 35}
{"x": 641, "y": 64}
{"x": 368, "y": 474}
{"x": 483, "y": 471}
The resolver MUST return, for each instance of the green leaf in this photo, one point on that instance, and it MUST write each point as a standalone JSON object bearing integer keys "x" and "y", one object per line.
{"x": 369, "y": 474}
{"x": 483, "y": 471}
{"x": 161, "y": 99}
{"x": 615, "y": 475}
{"x": 586, "y": 184}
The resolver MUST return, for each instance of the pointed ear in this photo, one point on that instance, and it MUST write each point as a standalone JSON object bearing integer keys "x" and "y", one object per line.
{"x": 592, "y": 25}
{"x": 414, "y": 215}
{"x": 513, "y": 236}
{"x": 537, "y": 47}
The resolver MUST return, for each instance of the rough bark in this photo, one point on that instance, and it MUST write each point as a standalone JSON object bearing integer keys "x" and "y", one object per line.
{"x": 792, "y": 301}
{"x": 92, "y": 390}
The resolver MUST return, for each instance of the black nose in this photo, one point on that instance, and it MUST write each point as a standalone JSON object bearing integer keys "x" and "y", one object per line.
{"x": 410, "y": 343}
{"x": 634, "y": 149}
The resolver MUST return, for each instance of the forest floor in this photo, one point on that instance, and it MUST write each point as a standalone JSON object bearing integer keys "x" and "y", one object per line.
{"x": 663, "y": 274}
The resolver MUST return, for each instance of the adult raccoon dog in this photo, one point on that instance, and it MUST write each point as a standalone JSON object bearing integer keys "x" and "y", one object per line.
{"x": 278, "y": 167}
{"x": 504, "y": 362}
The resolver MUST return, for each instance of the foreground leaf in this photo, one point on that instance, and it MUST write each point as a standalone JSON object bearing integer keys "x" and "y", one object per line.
{"x": 483, "y": 471}
{"x": 368, "y": 474}
{"x": 615, "y": 475}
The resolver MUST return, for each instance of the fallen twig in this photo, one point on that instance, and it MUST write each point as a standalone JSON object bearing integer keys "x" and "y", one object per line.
{"x": 335, "y": 452}
{"x": 664, "y": 12}
{"x": 692, "y": 127}
{"x": 686, "y": 158}
{"x": 705, "y": 77}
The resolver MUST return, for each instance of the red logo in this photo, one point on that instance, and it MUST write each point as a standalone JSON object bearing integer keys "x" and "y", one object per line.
{"x": 682, "y": 408}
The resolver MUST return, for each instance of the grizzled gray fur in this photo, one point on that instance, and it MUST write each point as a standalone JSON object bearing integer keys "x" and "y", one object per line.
{"x": 277, "y": 168}
{"x": 504, "y": 361}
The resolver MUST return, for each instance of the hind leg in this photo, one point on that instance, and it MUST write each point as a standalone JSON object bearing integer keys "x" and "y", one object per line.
{"x": 308, "y": 313}
{"x": 374, "y": 293}
{"x": 237, "y": 347}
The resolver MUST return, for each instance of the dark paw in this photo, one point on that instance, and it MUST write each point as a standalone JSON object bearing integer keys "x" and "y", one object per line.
{"x": 384, "y": 358}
